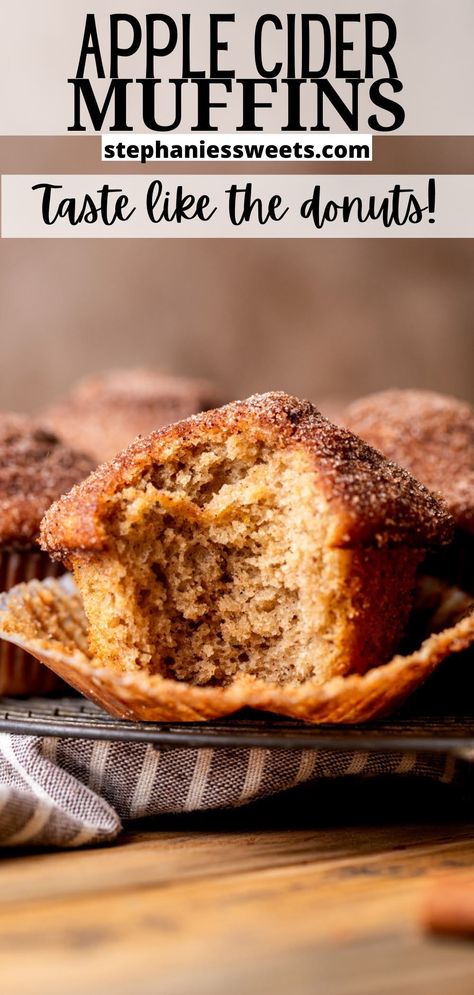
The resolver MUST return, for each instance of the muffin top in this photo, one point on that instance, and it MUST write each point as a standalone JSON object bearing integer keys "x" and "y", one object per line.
{"x": 429, "y": 434}
{"x": 104, "y": 413}
{"x": 375, "y": 502}
{"x": 36, "y": 468}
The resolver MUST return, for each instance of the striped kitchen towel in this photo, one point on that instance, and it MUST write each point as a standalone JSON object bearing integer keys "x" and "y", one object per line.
{"x": 72, "y": 792}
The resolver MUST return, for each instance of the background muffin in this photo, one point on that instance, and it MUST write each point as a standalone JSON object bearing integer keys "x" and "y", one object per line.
{"x": 35, "y": 469}
{"x": 104, "y": 413}
{"x": 432, "y": 436}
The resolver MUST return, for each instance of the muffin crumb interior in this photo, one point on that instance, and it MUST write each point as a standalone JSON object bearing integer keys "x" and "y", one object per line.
{"x": 217, "y": 565}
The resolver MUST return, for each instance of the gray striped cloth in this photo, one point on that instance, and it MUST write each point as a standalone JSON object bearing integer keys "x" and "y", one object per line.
{"x": 73, "y": 792}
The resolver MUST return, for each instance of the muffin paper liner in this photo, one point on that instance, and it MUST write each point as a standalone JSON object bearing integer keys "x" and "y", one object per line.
{"x": 21, "y": 673}
{"x": 46, "y": 618}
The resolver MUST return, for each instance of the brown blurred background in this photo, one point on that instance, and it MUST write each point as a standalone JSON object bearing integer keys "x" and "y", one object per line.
{"x": 330, "y": 318}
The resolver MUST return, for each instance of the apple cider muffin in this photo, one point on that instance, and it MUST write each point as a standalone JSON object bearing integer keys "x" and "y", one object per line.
{"x": 254, "y": 540}
{"x": 104, "y": 413}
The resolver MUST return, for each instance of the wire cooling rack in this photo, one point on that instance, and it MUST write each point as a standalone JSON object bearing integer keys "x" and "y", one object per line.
{"x": 78, "y": 718}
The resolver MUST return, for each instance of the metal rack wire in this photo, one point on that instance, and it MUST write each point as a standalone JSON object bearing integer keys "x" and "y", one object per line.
{"x": 76, "y": 717}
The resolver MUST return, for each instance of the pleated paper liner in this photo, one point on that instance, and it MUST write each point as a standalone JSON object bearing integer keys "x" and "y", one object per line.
{"x": 46, "y": 619}
{"x": 21, "y": 673}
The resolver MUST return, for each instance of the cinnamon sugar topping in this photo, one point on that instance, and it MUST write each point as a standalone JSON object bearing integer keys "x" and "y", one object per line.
{"x": 377, "y": 501}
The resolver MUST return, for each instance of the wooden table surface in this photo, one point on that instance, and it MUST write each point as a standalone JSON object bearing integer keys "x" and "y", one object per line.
{"x": 311, "y": 903}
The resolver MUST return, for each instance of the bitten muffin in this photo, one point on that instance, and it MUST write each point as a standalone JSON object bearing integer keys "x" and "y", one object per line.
{"x": 35, "y": 469}
{"x": 104, "y": 413}
{"x": 257, "y": 539}
{"x": 432, "y": 436}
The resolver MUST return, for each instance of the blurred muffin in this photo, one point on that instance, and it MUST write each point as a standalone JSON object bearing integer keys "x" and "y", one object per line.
{"x": 105, "y": 412}
{"x": 35, "y": 469}
{"x": 432, "y": 436}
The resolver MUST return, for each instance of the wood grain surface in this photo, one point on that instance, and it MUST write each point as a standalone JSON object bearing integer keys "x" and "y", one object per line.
{"x": 213, "y": 907}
